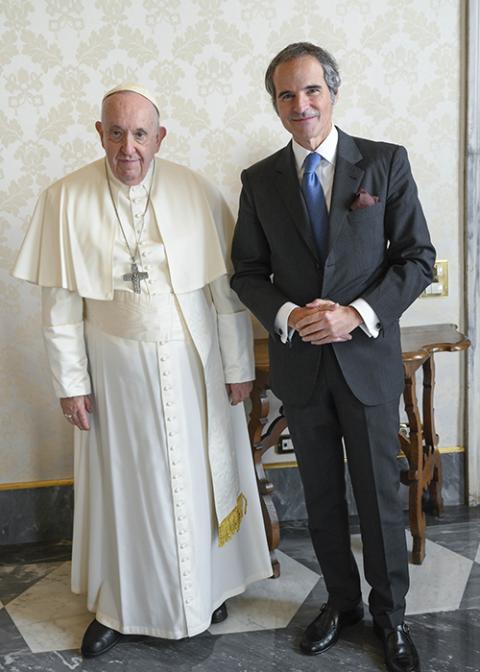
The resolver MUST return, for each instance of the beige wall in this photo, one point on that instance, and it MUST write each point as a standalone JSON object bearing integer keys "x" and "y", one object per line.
{"x": 400, "y": 61}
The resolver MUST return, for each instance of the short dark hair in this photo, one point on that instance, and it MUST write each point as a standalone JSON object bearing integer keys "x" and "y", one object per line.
{"x": 297, "y": 50}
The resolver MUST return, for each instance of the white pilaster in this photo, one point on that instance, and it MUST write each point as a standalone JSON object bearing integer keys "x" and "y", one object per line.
{"x": 472, "y": 250}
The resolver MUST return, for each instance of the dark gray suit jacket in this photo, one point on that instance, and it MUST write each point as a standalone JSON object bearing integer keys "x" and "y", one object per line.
{"x": 382, "y": 254}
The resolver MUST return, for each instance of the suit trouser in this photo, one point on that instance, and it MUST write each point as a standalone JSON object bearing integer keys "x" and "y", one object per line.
{"x": 370, "y": 434}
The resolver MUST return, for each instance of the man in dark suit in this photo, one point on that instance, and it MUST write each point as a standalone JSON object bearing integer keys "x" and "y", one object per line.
{"x": 331, "y": 246}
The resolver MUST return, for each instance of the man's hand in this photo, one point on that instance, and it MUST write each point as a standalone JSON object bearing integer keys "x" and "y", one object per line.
{"x": 238, "y": 392}
{"x": 311, "y": 309}
{"x": 325, "y": 322}
{"x": 76, "y": 410}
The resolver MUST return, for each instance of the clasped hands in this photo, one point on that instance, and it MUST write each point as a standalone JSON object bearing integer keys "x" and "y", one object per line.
{"x": 322, "y": 321}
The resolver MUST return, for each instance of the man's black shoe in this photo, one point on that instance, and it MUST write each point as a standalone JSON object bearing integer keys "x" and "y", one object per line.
{"x": 400, "y": 652}
{"x": 220, "y": 614}
{"x": 323, "y": 632}
{"x": 98, "y": 639}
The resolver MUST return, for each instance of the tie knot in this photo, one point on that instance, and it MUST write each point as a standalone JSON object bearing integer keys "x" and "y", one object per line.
{"x": 311, "y": 163}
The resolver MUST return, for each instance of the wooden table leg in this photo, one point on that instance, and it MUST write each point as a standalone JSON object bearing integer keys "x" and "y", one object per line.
{"x": 435, "y": 501}
{"x": 413, "y": 448}
{"x": 260, "y": 443}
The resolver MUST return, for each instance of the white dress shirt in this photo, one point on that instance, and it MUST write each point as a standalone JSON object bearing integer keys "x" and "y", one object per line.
{"x": 325, "y": 172}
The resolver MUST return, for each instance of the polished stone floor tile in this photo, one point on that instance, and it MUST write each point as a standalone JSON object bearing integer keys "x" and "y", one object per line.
{"x": 264, "y": 627}
{"x": 438, "y": 584}
{"x": 11, "y": 641}
{"x": 471, "y": 596}
{"x": 48, "y": 615}
{"x": 463, "y": 538}
{"x": 16, "y": 579}
{"x": 271, "y": 603}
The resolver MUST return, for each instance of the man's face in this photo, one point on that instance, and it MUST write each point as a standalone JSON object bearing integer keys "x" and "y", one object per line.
{"x": 303, "y": 100}
{"x": 130, "y": 135}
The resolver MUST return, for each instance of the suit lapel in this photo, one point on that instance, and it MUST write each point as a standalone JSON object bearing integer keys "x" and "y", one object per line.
{"x": 286, "y": 181}
{"x": 346, "y": 181}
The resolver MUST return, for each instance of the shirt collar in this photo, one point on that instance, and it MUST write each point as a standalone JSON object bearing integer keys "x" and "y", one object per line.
{"x": 144, "y": 185}
{"x": 327, "y": 149}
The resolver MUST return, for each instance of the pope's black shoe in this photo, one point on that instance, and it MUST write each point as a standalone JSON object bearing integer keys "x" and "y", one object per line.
{"x": 220, "y": 614}
{"x": 400, "y": 652}
{"x": 323, "y": 632}
{"x": 98, "y": 639}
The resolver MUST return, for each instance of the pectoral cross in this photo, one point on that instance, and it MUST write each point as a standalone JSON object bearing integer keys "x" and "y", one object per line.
{"x": 135, "y": 276}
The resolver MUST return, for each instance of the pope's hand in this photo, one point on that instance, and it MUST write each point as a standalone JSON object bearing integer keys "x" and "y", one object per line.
{"x": 76, "y": 410}
{"x": 238, "y": 392}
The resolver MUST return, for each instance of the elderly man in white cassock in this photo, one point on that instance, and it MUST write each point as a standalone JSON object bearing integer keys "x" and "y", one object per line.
{"x": 151, "y": 355}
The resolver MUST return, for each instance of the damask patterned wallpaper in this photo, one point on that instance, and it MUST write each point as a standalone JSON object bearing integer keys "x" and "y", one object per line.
{"x": 400, "y": 61}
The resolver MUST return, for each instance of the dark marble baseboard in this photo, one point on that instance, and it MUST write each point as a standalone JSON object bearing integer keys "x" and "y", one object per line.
{"x": 46, "y": 514}
{"x": 36, "y": 514}
{"x": 290, "y": 505}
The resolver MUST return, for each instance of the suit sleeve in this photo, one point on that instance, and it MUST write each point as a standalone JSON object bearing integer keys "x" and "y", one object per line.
{"x": 252, "y": 264}
{"x": 410, "y": 254}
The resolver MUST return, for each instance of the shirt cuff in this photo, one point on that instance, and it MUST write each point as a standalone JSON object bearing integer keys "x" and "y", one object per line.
{"x": 281, "y": 322}
{"x": 371, "y": 324}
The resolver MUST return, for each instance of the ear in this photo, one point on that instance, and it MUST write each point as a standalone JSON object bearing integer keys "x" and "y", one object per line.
{"x": 99, "y": 127}
{"x": 162, "y": 132}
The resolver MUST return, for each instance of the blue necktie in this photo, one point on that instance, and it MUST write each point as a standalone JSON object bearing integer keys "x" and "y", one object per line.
{"x": 315, "y": 202}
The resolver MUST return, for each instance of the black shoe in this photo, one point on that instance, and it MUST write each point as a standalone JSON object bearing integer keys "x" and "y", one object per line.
{"x": 98, "y": 639}
{"x": 323, "y": 632}
{"x": 220, "y": 614}
{"x": 400, "y": 652}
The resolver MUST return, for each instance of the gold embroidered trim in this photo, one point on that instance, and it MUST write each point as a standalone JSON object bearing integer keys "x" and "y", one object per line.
{"x": 231, "y": 523}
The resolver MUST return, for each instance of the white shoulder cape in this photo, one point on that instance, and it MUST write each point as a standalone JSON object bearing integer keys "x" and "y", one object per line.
{"x": 69, "y": 243}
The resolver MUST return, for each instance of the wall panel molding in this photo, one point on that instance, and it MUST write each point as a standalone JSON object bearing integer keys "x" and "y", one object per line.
{"x": 472, "y": 252}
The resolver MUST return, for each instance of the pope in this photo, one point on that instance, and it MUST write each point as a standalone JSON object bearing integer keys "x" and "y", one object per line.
{"x": 151, "y": 356}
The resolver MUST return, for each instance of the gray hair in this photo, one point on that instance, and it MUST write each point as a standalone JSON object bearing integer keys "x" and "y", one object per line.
{"x": 297, "y": 50}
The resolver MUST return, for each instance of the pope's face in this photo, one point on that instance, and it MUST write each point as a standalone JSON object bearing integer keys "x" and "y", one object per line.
{"x": 303, "y": 100}
{"x": 130, "y": 134}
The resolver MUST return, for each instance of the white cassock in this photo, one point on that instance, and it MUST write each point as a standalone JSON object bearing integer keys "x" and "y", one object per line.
{"x": 166, "y": 464}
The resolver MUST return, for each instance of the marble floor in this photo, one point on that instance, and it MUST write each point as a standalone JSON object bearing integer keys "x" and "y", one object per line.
{"x": 41, "y": 622}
